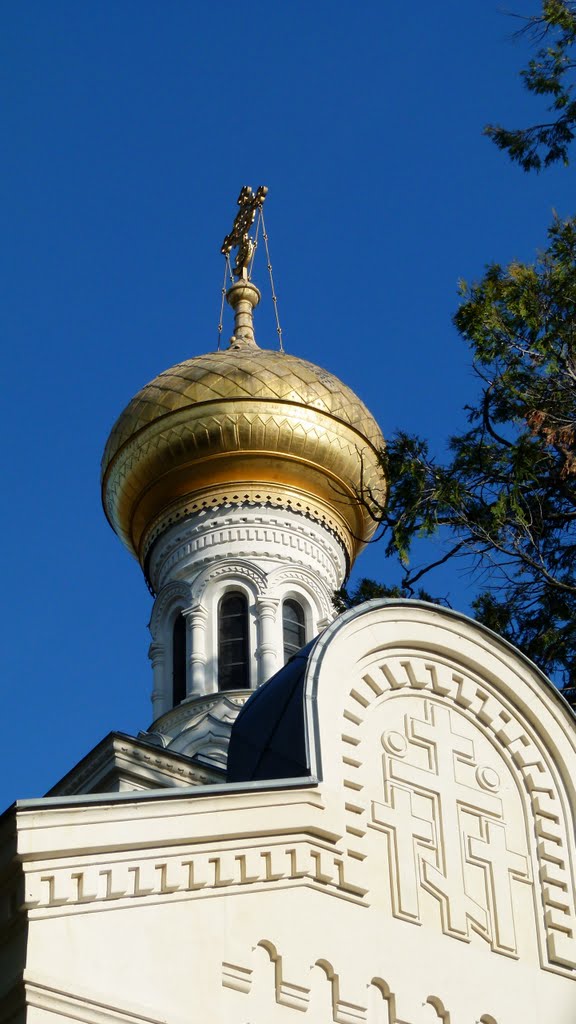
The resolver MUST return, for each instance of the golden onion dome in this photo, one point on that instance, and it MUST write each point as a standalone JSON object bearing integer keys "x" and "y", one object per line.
{"x": 245, "y": 425}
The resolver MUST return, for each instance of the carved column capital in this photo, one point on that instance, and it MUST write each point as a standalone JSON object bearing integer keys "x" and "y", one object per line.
{"x": 267, "y": 606}
{"x": 156, "y": 653}
{"x": 196, "y": 615}
{"x": 325, "y": 622}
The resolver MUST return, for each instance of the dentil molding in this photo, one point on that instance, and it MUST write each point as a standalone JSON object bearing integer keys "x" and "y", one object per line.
{"x": 246, "y": 533}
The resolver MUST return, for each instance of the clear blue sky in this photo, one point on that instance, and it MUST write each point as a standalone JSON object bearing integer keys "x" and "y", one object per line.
{"x": 128, "y": 128}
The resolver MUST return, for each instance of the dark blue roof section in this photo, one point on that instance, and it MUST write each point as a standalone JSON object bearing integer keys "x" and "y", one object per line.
{"x": 268, "y": 738}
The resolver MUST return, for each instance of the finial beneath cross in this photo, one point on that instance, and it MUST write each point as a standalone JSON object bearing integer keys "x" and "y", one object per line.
{"x": 249, "y": 202}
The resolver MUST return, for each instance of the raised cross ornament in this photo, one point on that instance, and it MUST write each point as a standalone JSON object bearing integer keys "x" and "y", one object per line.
{"x": 249, "y": 202}
{"x": 444, "y": 814}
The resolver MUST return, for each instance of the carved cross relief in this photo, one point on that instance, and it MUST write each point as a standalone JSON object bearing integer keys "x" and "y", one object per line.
{"x": 451, "y": 816}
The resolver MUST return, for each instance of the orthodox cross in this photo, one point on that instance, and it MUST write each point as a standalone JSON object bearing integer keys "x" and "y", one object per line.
{"x": 249, "y": 202}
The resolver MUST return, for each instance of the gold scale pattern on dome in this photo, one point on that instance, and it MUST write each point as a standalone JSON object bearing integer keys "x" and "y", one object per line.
{"x": 243, "y": 425}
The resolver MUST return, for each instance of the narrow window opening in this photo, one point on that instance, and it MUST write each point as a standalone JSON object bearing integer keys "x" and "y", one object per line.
{"x": 178, "y": 659}
{"x": 293, "y": 628}
{"x": 233, "y": 642}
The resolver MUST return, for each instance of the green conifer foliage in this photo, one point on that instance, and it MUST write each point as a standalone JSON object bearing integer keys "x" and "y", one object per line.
{"x": 549, "y": 74}
{"x": 505, "y": 500}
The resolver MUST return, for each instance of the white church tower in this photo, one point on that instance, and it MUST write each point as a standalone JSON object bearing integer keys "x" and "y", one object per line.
{"x": 234, "y": 478}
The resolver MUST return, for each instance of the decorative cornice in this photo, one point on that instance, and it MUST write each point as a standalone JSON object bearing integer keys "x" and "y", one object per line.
{"x": 119, "y": 755}
{"x": 302, "y": 857}
{"x": 247, "y": 533}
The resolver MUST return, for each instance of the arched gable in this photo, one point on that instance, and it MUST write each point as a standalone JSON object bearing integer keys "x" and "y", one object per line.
{"x": 446, "y": 763}
{"x": 447, "y": 754}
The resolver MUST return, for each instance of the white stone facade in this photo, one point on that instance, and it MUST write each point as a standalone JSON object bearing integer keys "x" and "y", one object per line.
{"x": 423, "y": 872}
{"x": 267, "y": 554}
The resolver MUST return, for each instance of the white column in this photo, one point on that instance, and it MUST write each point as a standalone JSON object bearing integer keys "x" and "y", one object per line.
{"x": 267, "y": 652}
{"x": 160, "y": 699}
{"x": 196, "y": 619}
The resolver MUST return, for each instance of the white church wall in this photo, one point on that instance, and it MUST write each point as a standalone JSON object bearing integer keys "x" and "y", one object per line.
{"x": 426, "y": 876}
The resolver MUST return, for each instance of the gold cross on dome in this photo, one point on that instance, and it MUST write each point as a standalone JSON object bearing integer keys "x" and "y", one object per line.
{"x": 249, "y": 202}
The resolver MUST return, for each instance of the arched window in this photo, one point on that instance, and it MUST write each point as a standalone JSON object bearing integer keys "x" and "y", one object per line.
{"x": 233, "y": 642}
{"x": 293, "y": 628}
{"x": 178, "y": 659}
